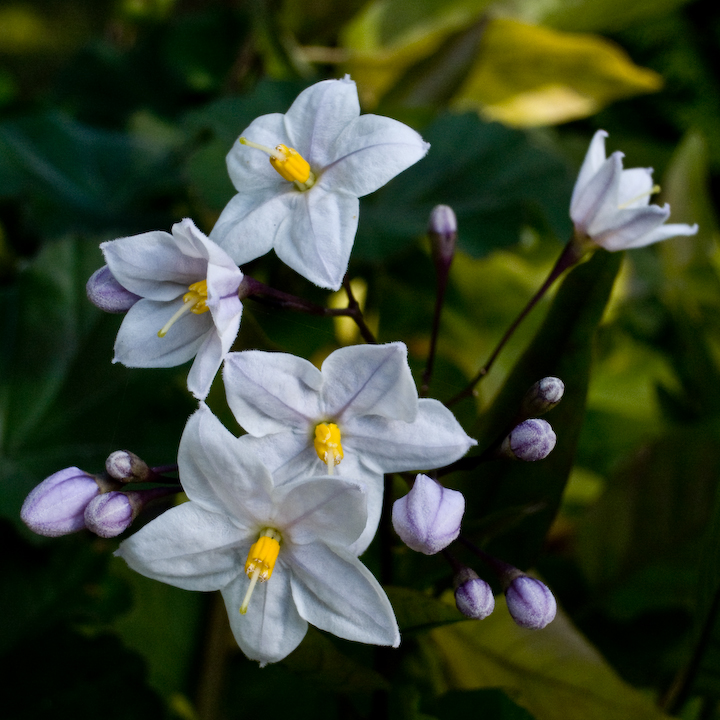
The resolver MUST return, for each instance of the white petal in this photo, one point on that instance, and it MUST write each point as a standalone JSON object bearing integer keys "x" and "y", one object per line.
{"x": 138, "y": 344}
{"x": 272, "y": 627}
{"x": 434, "y": 439}
{"x": 188, "y": 547}
{"x": 369, "y": 380}
{"x": 337, "y": 593}
{"x": 247, "y": 226}
{"x": 271, "y": 392}
{"x": 374, "y": 486}
{"x": 320, "y": 508}
{"x": 630, "y": 225}
{"x": 319, "y": 115}
{"x": 663, "y": 233}
{"x": 207, "y": 362}
{"x": 287, "y": 455}
{"x": 221, "y": 475}
{"x": 152, "y": 265}
{"x": 370, "y": 152}
{"x": 599, "y": 194}
{"x": 594, "y": 158}
{"x": 635, "y": 187}
{"x": 317, "y": 240}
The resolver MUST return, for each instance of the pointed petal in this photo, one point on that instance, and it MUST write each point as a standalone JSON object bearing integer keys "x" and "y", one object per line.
{"x": 594, "y": 158}
{"x": 138, "y": 345}
{"x": 370, "y": 152}
{"x": 337, "y": 593}
{"x": 369, "y": 380}
{"x": 272, "y": 627}
{"x": 599, "y": 195}
{"x": 152, "y": 265}
{"x": 219, "y": 474}
{"x": 326, "y": 508}
{"x": 629, "y": 226}
{"x": 188, "y": 547}
{"x": 434, "y": 439}
{"x": 207, "y": 362}
{"x": 271, "y": 392}
{"x": 663, "y": 233}
{"x": 318, "y": 116}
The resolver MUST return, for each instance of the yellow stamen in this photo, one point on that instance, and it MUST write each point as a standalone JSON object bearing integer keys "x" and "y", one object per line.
{"x": 261, "y": 562}
{"x": 327, "y": 445}
{"x": 652, "y": 191}
{"x": 193, "y": 301}
{"x": 288, "y": 162}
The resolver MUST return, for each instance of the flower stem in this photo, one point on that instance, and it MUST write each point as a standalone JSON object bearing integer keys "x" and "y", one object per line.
{"x": 571, "y": 255}
{"x": 439, "y": 300}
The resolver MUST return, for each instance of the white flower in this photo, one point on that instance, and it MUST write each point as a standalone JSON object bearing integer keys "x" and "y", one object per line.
{"x": 307, "y": 210}
{"x": 610, "y": 206}
{"x": 358, "y": 416}
{"x": 296, "y": 537}
{"x": 189, "y": 307}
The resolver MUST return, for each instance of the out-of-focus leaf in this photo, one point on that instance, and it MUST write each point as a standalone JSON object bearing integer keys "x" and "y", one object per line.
{"x": 529, "y": 75}
{"x": 554, "y": 673}
{"x": 416, "y": 611}
{"x": 489, "y": 703}
{"x": 562, "y": 348}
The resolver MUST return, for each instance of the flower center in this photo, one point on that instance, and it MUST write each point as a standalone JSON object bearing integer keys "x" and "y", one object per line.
{"x": 288, "y": 162}
{"x": 327, "y": 445}
{"x": 195, "y": 300}
{"x": 261, "y": 562}
{"x": 652, "y": 191}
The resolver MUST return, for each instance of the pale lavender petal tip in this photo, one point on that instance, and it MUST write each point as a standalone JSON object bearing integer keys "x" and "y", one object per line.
{"x": 108, "y": 515}
{"x": 530, "y": 602}
{"x": 531, "y": 440}
{"x": 105, "y": 292}
{"x": 473, "y": 596}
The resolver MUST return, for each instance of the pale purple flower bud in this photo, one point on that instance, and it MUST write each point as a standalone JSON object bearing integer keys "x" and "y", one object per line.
{"x": 109, "y": 514}
{"x": 544, "y": 395}
{"x": 442, "y": 229}
{"x": 57, "y": 505}
{"x": 126, "y": 466}
{"x": 428, "y": 518}
{"x": 530, "y": 602}
{"x": 105, "y": 292}
{"x": 473, "y": 596}
{"x": 531, "y": 440}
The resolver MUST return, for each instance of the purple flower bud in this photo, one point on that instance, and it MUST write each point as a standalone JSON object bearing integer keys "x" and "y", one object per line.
{"x": 57, "y": 505}
{"x": 531, "y": 440}
{"x": 105, "y": 292}
{"x": 544, "y": 395}
{"x": 530, "y": 602}
{"x": 473, "y": 596}
{"x": 442, "y": 229}
{"x": 126, "y": 466}
{"x": 109, "y": 514}
{"x": 428, "y": 518}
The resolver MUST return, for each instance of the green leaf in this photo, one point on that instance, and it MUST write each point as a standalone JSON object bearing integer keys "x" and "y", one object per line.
{"x": 553, "y": 673}
{"x": 488, "y": 703}
{"x": 417, "y": 611}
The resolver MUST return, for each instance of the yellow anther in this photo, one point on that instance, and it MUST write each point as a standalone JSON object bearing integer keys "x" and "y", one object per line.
{"x": 327, "y": 445}
{"x": 652, "y": 191}
{"x": 288, "y": 162}
{"x": 261, "y": 561}
{"x": 195, "y": 300}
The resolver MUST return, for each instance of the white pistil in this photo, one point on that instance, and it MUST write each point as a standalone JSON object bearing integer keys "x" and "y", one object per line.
{"x": 272, "y": 152}
{"x": 187, "y": 306}
{"x": 253, "y": 581}
{"x": 652, "y": 191}
{"x": 330, "y": 460}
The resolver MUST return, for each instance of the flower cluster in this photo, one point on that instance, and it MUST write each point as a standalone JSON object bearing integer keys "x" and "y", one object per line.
{"x": 277, "y": 518}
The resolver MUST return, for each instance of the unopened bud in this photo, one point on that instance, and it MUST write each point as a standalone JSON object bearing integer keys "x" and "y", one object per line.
{"x": 530, "y": 602}
{"x": 428, "y": 518}
{"x": 105, "y": 292}
{"x": 473, "y": 596}
{"x": 531, "y": 440}
{"x": 126, "y": 466}
{"x": 442, "y": 229}
{"x": 57, "y": 505}
{"x": 544, "y": 395}
{"x": 108, "y": 515}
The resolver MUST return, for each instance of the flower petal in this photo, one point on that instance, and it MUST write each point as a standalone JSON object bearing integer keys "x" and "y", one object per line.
{"x": 187, "y": 547}
{"x": 635, "y": 188}
{"x": 319, "y": 115}
{"x": 630, "y": 225}
{"x": 594, "y": 158}
{"x": 272, "y": 627}
{"x": 336, "y": 592}
{"x": 370, "y": 152}
{"x": 434, "y": 439}
{"x": 207, "y": 362}
{"x": 138, "y": 345}
{"x": 272, "y": 392}
{"x": 663, "y": 233}
{"x": 599, "y": 194}
{"x": 369, "y": 380}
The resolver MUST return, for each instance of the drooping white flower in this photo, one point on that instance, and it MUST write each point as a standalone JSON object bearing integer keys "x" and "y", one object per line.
{"x": 611, "y": 206}
{"x": 240, "y": 529}
{"x": 189, "y": 307}
{"x": 304, "y": 203}
{"x": 359, "y": 416}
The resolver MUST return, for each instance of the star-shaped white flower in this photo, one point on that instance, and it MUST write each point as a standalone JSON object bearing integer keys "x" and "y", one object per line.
{"x": 359, "y": 416}
{"x": 610, "y": 206}
{"x": 304, "y": 203}
{"x": 189, "y": 307}
{"x": 292, "y": 540}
